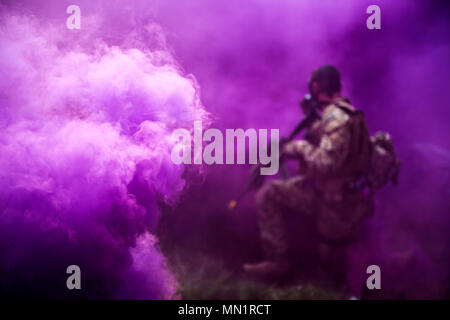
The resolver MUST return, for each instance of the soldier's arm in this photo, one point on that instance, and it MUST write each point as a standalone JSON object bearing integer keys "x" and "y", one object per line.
{"x": 328, "y": 156}
{"x": 331, "y": 152}
{"x": 295, "y": 149}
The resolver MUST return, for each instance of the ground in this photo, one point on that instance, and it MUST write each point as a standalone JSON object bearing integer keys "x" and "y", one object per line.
{"x": 201, "y": 276}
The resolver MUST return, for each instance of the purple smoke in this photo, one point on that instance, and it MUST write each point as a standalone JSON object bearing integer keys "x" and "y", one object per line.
{"x": 86, "y": 118}
{"x": 85, "y": 155}
{"x": 252, "y": 60}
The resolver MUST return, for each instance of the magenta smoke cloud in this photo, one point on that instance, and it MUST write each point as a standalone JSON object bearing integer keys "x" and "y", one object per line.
{"x": 85, "y": 157}
{"x": 86, "y": 118}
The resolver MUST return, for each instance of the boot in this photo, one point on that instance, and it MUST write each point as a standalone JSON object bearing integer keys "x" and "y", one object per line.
{"x": 274, "y": 242}
{"x": 267, "y": 270}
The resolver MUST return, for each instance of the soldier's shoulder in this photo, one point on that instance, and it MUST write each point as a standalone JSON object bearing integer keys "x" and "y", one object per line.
{"x": 334, "y": 117}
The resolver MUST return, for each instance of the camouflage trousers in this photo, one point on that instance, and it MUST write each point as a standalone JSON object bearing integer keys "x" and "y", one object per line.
{"x": 334, "y": 222}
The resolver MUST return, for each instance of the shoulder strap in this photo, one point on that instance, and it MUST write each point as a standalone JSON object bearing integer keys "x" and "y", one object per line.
{"x": 345, "y": 108}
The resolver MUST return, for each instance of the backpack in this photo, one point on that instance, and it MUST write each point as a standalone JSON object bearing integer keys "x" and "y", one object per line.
{"x": 384, "y": 165}
{"x": 374, "y": 157}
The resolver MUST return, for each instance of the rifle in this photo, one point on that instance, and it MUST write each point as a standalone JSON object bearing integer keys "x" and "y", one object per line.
{"x": 310, "y": 107}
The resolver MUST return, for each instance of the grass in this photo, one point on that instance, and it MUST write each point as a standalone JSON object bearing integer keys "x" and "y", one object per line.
{"x": 202, "y": 277}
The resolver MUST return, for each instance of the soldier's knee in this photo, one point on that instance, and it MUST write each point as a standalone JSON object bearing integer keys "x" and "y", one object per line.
{"x": 260, "y": 197}
{"x": 266, "y": 195}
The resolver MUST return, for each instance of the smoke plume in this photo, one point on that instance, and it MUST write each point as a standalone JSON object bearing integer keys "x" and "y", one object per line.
{"x": 86, "y": 117}
{"x": 85, "y": 155}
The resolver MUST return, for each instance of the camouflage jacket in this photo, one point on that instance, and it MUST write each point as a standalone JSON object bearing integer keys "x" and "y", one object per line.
{"x": 328, "y": 156}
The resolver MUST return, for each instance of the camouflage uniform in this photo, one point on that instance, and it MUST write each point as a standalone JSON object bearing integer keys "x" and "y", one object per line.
{"x": 327, "y": 187}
